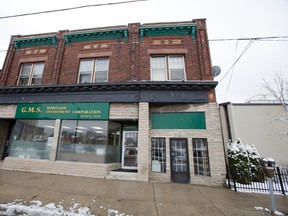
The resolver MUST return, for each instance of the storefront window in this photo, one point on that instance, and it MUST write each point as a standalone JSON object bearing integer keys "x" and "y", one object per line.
{"x": 158, "y": 155}
{"x": 201, "y": 157}
{"x": 32, "y": 139}
{"x": 83, "y": 141}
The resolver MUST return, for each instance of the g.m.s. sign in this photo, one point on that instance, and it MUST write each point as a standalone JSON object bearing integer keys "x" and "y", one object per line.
{"x": 84, "y": 111}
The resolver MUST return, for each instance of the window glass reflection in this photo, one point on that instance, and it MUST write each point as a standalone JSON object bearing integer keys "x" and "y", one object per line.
{"x": 83, "y": 141}
{"x": 201, "y": 157}
{"x": 113, "y": 147}
{"x": 32, "y": 139}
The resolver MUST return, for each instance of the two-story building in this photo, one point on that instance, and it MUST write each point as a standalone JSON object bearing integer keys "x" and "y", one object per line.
{"x": 129, "y": 102}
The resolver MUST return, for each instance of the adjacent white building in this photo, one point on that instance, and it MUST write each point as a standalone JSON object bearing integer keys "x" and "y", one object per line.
{"x": 258, "y": 124}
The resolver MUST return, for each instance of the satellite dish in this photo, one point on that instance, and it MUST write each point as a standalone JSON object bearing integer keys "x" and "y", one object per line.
{"x": 216, "y": 71}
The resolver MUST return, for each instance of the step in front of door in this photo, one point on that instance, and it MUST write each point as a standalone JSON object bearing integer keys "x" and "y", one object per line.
{"x": 123, "y": 176}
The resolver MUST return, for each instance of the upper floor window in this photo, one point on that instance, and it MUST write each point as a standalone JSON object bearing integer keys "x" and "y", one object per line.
{"x": 93, "y": 70}
{"x": 31, "y": 74}
{"x": 167, "y": 68}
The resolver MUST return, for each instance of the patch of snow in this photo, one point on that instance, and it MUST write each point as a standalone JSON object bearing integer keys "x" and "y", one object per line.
{"x": 278, "y": 213}
{"x": 258, "y": 187}
{"x": 36, "y": 208}
{"x": 267, "y": 210}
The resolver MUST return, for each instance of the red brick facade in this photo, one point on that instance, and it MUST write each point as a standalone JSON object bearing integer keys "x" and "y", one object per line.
{"x": 128, "y": 60}
{"x": 146, "y": 104}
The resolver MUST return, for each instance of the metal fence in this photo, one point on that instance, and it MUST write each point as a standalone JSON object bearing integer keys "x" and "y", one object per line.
{"x": 280, "y": 183}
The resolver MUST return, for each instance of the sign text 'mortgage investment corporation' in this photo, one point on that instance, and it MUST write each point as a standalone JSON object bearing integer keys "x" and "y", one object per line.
{"x": 63, "y": 111}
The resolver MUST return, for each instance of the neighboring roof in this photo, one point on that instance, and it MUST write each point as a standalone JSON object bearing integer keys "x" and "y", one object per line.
{"x": 258, "y": 99}
{"x": 251, "y": 104}
{"x": 262, "y": 98}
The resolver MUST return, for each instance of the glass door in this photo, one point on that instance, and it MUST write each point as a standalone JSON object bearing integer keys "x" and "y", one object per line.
{"x": 179, "y": 160}
{"x": 129, "y": 149}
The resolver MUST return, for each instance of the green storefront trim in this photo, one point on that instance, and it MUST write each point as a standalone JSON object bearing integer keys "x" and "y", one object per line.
{"x": 181, "y": 120}
{"x": 77, "y": 111}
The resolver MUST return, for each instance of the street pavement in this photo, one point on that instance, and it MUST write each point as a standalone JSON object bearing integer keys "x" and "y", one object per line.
{"x": 133, "y": 198}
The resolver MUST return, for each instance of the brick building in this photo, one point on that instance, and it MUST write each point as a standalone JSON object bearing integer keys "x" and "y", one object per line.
{"x": 130, "y": 102}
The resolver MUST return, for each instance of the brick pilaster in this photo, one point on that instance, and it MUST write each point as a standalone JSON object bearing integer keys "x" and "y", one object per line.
{"x": 143, "y": 142}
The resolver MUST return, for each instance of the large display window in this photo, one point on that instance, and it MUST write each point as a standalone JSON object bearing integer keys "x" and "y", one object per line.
{"x": 94, "y": 141}
{"x": 32, "y": 139}
{"x": 88, "y": 141}
{"x": 83, "y": 141}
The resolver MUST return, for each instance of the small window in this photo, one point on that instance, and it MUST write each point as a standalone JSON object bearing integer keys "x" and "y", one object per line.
{"x": 201, "y": 157}
{"x": 167, "y": 68}
{"x": 158, "y": 155}
{"x": 31, "y": 74}
{"x": 93, "y": 70}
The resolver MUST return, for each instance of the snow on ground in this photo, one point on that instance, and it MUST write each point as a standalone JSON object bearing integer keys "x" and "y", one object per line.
{"x": 36, "y": 208}
{"x": 259, "y": 187}
{"x": 268, "y": 211}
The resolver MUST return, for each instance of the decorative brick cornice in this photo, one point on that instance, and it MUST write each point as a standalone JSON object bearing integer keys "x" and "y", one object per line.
{"x": 24, "y": 42}
{"x": 168, "y": 30}
{"x": 96, "y": 35}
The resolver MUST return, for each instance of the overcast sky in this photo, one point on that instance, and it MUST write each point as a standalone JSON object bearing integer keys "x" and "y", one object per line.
{"x": 225, "y": 19}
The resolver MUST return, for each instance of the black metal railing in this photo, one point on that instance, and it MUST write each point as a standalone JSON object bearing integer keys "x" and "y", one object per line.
{"x": 280, "y": 183}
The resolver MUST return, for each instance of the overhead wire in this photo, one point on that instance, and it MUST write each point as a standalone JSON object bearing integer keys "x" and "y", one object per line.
{"x": 235, "y": 62}
{"x": 269, "y": 38}
{"x": 71, "y": 8}
{"x": 236, "y": 49}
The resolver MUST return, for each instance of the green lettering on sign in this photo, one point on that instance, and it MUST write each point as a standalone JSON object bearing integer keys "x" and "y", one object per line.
{"x": 79, "y": 111}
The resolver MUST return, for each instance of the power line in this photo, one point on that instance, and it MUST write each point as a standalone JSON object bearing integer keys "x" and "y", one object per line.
{"x": 236, "y": 49}
{"x": 245, "y": 49}
{"x": 72, "y": 8}
{"x": 270, "y": 38}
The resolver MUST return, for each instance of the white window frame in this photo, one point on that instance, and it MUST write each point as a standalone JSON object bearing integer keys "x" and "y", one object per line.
{"x": 158, "y": 154}
{"x": 31, "y": 73}
{"x": 167, "y": 67}
{"x": 201, "y": 157}
{"x": 94, "y": 69}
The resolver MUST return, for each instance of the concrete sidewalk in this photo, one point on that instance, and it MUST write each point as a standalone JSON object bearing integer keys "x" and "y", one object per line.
{"x": 133, "y": 198}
